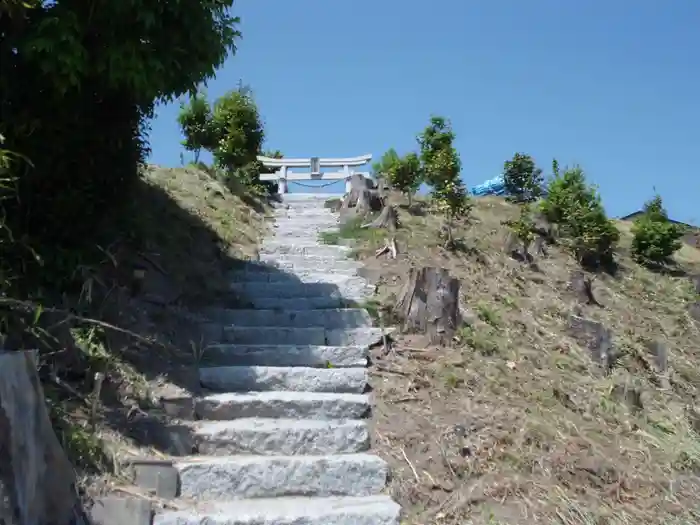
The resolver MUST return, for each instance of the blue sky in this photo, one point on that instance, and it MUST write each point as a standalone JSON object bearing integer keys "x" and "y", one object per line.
{"x": 611, "y": 85}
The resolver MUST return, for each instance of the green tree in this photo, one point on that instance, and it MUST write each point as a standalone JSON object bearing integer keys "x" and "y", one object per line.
{"x": 77, "y": 87}
{"x": 438, "y": 156}
{"x": 195, "y": 124}
{"x": 576, "y": 207}
{"x": 656, "y": 238}
{"x": 404, "y": 174}
{"x": 441, "y": 168}
{"x": 523, "y": 179}
{"x": 237, "y": 129}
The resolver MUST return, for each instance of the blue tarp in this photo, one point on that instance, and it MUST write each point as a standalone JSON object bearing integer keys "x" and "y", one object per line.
{"x": 493, "y": 186}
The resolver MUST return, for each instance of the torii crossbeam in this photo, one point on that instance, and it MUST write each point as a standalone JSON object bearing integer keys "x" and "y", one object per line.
{"x": 314, "y": 164}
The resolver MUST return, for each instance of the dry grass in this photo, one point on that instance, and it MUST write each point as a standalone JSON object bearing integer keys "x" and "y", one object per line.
{"x": 514, "y": 424}
{"x": 181, "y": 235}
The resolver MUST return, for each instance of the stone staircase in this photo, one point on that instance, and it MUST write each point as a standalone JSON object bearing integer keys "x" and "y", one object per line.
{"x": 282, "y": 430}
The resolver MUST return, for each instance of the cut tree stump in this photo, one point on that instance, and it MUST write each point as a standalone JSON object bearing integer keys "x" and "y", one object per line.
{"x": 429, "y": 304}
{"x": 362, "y": 197}
{"x": 386, "y": 219}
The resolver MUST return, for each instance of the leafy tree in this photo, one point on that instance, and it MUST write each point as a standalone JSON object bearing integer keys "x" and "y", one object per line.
{"x": 577, "y": 208}
{"x": 78, "y": 85}
{"x": 404, "y": 174}
{"x": 523, "y": 179}
{"x": 441, "y": 168}
{"x": 237, "y": 128}
{"x": 195, "y": 124}
{"x": 437, "y": 154}
{"x": 656, "y": 238}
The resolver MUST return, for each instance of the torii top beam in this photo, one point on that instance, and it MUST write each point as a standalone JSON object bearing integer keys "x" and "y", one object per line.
{"x": 323, "y": 162}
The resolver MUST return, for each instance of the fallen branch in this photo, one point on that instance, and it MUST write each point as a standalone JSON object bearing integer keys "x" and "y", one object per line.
{"x": 413, "y": 469}
{"x": 390, "y": 248}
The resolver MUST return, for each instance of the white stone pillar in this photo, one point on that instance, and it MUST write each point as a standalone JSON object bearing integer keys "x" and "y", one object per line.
{"x": 348, "y": 178}
{"x": 282, "y": 180}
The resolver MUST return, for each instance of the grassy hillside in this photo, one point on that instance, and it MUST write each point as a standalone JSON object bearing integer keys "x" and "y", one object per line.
{"x": 164, "y": 259}
{"x": 514, "y": 423}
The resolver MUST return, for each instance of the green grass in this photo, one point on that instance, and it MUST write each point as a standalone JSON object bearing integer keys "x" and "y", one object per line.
{"x": 352, "y": 230}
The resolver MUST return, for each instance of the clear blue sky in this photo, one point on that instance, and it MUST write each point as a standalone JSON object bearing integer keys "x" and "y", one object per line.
{"x": 611, "y": 85}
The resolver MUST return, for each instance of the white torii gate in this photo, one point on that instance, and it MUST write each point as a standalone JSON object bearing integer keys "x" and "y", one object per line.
{"x": 314, "y": 164}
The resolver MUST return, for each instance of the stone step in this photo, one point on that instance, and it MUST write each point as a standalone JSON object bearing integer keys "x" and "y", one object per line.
{"x": 306, "y": 249}
{"x": 347, "y": 277}
{"x": 289, "y": 264}
{"x": 276, "y": 404}
{"x": 285, "y": 437}
{"x": 282, "y": 335}
{"x": 285, "y": 290}
{"x": 297, "y": 379}
{"x": 240, "y": 477}
{"x": 299, "y": 303}
{"x": 369, "y": 510}
{"x": 324, "y": 318}
{"x": 285, "y": 355}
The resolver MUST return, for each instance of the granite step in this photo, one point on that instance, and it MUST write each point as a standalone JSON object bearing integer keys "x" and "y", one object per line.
{"x": 296, "y": 379}
{"x": 280, "y": 404}
{"x": 285, "y": 437}
{"x": 241, "y": 477}
{"x": 285, "y": 355}
{"x": 285, "y": 335}
{"x": 368, "y": 510}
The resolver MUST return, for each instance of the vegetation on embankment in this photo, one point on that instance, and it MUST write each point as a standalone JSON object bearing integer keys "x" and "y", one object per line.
{"x": 519, "y": 420}
{"x": 102, "y": 256}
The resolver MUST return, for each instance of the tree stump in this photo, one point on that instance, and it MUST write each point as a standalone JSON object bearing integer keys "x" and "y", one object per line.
{"x": 387, "y": 219}
{"x": 362, "y": 197}
{"x": 429, "y": 304}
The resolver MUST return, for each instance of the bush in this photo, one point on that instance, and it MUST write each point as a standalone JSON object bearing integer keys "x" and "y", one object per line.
{"x": 656, "y": 238}
{"x": 523, "y": 180}
{"x": 77, "y": 86}
{"x": 404, "y": 174}
{"x": 576, "y": 207}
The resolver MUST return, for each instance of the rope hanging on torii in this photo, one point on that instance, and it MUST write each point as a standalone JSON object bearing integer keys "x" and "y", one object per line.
{"x": 314, "y": 185}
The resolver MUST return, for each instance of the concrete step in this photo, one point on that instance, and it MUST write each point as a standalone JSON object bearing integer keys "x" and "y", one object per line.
{"x": 297, "y": 379}
{"x": 276, "y": 404}
{"x": 324, "y": 318}
{"x": 285, "y": 290}
{"x": 325, "y": 262}
{"x": 286, "y": 437}
{"x": 345, "y": 277}
{"x": 292, "y": 265}
{"x": 299, "y": 303}
{"x": 285, "y": 355}
{"x": 369, "y": 510}
{"x": 307, "y": 249}
{"x": 282, "y": 335}
{"x": 240, "y": 477}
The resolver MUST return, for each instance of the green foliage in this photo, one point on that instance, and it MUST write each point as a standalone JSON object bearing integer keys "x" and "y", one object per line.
{"x": 441, "y": 168}
{"x": 194, "y": 120}
{"x": 404, "y": 174}
{"x": 77, "y": 85}
{"x": 232, "y": 131}
{"x": 523, "y": 179}
{"x": 441, "y": 163}
{"x": 576, "y": 207}
{"x": 237, "y": 129}
{"x": 656, "y": 238}
{"x": 524, "y": 226}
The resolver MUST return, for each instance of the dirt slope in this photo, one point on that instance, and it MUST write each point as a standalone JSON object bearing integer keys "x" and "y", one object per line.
{"x": 164, "y": 260}
{"x": 514, "y": 423}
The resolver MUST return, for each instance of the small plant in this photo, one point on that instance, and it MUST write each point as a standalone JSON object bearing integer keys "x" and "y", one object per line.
{"x": 577, "y": 208}
{"x": 656, "y": 238}
{"x": 441, "y": 167}
{"x": 522, "y": 178}
{"x": 404, "y": 174}
{"x": 523, "y": 227}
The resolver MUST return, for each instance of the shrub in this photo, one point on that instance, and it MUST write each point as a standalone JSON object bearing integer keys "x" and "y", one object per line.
{"x": 441, "y": 167}
{"x": 402, "y": 173}
{"x": 576, "y": 207}
{"x": 523, "y": 180}
{"x": 655, "y": 237}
